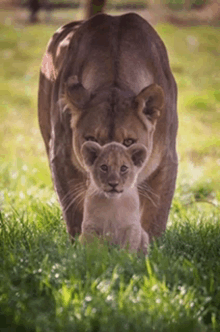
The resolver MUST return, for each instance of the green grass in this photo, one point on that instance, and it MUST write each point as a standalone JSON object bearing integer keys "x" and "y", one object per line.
{"x": 48, "y": 284}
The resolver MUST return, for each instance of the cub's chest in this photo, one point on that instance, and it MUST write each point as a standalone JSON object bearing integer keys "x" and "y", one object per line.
{"x": 111, "y": 213}
{"x": 117, "y": 219}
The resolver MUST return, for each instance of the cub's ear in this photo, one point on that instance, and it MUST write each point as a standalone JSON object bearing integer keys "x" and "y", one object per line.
{"x": 75, "y": 92}
{"x": 90, "y": 151}
{"x": 150, "y": 102}
{"x": 138, "y": 154}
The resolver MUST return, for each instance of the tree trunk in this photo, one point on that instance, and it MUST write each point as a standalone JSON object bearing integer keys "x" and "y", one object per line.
{"x": 34, "y": 6}
{"x": 94, "y": 7}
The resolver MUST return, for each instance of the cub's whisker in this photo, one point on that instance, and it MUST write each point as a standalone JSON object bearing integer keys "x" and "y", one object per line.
{"x": 80, "y": 194}
{"x": 146, "y": 195}
{"x": 147, "y": 187}
{"x": 71, "y": 194}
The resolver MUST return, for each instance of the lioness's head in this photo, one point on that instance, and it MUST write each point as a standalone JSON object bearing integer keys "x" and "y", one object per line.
{"x": 112, "y": 115}
{"x": 113, "y": 168}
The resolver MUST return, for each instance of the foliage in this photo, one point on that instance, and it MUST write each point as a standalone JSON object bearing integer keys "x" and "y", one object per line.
{"x": 181, "y": 4}
{"x": 62, "y": 4}
{"x": 48, "y": 284}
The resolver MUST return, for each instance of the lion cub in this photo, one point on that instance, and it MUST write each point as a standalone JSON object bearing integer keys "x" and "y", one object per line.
{"x": 111, "y": 206}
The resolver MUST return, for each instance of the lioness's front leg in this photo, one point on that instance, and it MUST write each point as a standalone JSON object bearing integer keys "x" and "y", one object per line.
{"x": 156, "y": 201}
{"x": 70, "y": 193}
{"x": 69, "y": 183}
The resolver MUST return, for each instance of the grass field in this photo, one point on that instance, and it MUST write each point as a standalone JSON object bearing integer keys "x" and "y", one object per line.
{"x": 47, "y": 284}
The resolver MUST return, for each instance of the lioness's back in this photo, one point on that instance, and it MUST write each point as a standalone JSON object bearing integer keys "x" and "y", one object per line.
{"x": 129, "y": 48}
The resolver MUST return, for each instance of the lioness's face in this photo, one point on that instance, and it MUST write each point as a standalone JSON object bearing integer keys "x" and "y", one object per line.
{"x": 111, "y": 116}
{"x": 113, "y": 168}
{"x": 101, "y": 125}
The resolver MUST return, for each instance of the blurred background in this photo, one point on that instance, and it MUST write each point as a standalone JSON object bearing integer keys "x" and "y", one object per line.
{"x": 190, "y": 30}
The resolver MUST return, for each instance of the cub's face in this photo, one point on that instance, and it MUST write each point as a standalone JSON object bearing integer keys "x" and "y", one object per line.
{"x": 113, "y": 168}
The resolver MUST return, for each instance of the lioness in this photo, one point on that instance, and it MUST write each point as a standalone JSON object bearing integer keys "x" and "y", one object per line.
{"x": 108, "y": 79}
{"x": 111, "y": 206}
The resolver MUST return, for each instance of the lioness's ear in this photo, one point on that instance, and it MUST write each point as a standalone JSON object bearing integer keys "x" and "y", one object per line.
{"x": 90, "y": 151}
{"x": 150, "y": 101}
{"x": 76, "y": 93}
{"x": 138, "y": 154}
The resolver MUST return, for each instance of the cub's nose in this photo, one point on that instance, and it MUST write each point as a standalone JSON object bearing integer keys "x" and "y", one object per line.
{"x": 113, "y": 183}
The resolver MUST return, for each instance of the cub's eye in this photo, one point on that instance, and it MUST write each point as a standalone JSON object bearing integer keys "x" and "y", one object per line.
{"x": 124, "y": 168}
{"x": 129, "y": 141}
{"x": 104, "y": 168}
{"x": 90, "y": 138}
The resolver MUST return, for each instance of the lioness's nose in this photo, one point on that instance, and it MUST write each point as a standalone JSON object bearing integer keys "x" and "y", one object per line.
{"x": 113, "y": 183}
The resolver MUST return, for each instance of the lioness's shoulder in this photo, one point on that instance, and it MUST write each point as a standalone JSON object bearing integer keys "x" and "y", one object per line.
{"x": 56, "y": 49}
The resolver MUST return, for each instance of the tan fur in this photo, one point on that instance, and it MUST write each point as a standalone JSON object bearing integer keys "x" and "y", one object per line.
{"x": 114, "y": 216}
{"x": 108, "y": 79}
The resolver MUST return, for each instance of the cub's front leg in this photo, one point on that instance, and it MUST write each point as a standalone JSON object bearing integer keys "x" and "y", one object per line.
{"x": 86, "y": 238}
{"x": 89, "y": 234}
{"x": 132, "y": 238}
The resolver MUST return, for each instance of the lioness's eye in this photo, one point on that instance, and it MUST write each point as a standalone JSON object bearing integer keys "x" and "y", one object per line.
{"x": 90, "y": 138}
{"x": 129, "y": 141}
{"x": 124, "y": 168}
{"x": 104, "y": 168}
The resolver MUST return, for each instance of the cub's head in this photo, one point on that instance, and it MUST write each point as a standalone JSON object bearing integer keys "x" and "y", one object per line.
{"x": 110, "y": 114}
{"x": 113, "y": 168}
